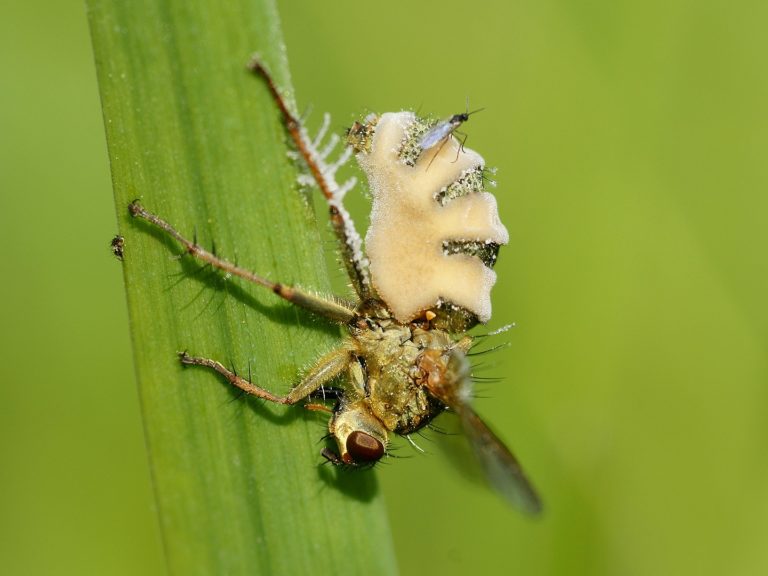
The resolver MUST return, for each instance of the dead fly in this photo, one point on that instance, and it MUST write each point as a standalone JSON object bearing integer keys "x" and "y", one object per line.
{"x": 423, "y": 281}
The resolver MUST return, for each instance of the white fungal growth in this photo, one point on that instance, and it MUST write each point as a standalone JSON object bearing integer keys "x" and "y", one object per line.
{"x": 319, "y": 154}
{"x": 409, "y": 267}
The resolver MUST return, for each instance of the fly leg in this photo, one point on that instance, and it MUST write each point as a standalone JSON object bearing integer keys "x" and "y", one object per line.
{"x": 324, "y": 174}
{"x": 325, "y": 369}
{"x": 324, "y": 393}
{"x": 333, "y": 309}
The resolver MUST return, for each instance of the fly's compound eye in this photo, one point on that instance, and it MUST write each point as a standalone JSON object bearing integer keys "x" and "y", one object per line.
{"x": 363, "y": 447}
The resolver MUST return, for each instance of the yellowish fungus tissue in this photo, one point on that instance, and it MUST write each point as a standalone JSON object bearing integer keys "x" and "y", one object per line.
{"x": 434, "y": 230}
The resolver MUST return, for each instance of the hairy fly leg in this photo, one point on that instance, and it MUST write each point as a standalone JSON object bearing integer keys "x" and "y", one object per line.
{"x": 325, "y": 369}
{"x": 324, "y": 174}
{"x": 331, "y": 308}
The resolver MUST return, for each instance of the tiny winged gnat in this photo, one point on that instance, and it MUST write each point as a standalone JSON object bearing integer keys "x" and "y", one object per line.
{"x": 443, "y": 130}
{"x": 422, "y": 282}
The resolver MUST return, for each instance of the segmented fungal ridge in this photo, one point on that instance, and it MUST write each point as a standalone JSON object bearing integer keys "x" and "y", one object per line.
{"x": 435, "y": 231}
{"x": 471, "y": 180}
{"x": 487, "y": 251}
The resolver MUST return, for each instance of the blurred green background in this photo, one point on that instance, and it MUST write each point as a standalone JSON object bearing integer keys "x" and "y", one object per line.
{"x": 630, "y": 139}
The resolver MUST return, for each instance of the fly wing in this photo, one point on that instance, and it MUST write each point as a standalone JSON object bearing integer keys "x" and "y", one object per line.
{"x": 450, "y": 381}
{"x": 435, "y": 135}
{"x": 501, "y": 468}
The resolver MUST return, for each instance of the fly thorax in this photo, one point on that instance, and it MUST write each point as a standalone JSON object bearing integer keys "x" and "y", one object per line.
{"x": 435, "y": 231}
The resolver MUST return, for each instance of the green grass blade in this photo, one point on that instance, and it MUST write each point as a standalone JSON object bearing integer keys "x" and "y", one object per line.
{"x": 238, "y": 484}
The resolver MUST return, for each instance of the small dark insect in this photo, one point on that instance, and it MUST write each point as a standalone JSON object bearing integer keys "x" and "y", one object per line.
{"x": 440, "y": 132}
{"x": 423, "y": 281}
{"x": 117, "y": 244}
